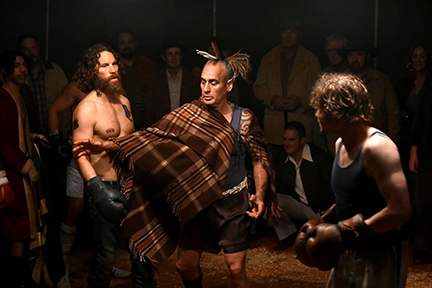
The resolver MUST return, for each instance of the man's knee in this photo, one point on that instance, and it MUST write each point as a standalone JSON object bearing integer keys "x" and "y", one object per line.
{"x": 235, "y": 264}
{"x": 187, "y": 264}
{"x": 236, "y": 269}
{"x": 185, "y": 267}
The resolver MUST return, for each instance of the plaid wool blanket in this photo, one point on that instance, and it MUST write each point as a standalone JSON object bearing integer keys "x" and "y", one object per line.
{"x": 187, "y": 155}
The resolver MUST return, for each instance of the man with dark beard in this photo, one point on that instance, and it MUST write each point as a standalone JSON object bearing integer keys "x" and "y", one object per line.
{"x": 379, "y": 86}
{"x": 46, "y": 80}
{"x": 104, "y": 114}
{"x": 136, "y": 75}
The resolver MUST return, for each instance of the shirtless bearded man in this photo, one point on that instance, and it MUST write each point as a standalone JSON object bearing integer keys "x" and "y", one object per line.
{"x": 104, "y": 114}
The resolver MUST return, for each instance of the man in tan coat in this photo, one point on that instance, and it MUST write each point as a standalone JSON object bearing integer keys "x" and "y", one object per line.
{"x": 285, "y": 78}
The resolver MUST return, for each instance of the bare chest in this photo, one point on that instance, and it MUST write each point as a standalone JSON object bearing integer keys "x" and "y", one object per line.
{"x": 113, "y": 122}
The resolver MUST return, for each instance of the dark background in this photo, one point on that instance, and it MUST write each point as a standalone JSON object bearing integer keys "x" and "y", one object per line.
{"x": 250, "y": 25}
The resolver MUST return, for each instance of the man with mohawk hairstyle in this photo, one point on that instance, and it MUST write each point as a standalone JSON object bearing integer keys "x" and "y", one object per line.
{"x": 206, "y": 156}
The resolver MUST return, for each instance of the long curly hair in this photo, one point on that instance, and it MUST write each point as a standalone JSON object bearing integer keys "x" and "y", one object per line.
{"x": 343, "y": 97}
{"x": 86, "y": 72}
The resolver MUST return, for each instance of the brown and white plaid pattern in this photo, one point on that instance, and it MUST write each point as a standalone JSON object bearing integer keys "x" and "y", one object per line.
{"x": 187, "y": 152}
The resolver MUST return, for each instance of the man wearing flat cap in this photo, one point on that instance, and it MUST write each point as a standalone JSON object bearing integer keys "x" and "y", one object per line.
{"x": 173, "y": 86}
{"x": 284, "y": 81}
{"x": 379, "y": 86}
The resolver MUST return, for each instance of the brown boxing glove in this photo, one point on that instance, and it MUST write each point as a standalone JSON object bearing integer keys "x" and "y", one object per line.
{"x": 325, "y": 246}
{"x": 354, "y": 231}
{"x": 7, "y": 196}
{"x": 301, "y": 240}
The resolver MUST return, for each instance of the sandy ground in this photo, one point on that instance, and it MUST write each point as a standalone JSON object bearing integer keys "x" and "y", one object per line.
{"x": 265, "y": 268}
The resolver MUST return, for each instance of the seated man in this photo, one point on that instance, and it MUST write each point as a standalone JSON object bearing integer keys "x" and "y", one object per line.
{"x": 303, "y": 187}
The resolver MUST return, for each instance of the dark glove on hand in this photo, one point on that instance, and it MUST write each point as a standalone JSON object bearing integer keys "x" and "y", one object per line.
{"x": 325, "y": 246}
{"x": 62, "y": 150}
{"x": 301, "y": 241}
{"x": 109, "y": 202}
{"x": 354, "y": 231}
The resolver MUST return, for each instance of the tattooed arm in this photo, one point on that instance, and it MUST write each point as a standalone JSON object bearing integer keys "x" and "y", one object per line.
{"x": 259, "y": 173}
{"x": 84, "y": 120}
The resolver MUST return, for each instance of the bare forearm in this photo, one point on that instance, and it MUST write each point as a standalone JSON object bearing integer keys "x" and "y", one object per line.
{"x": 261, "y": 179}
{"x": 388, "y": 219}
{"x": 413, "y": 150}
{"x": 85, "y": 168}
{"x": 53, "y": 120}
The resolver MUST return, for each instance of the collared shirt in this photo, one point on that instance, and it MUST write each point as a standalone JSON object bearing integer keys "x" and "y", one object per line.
{"x": 299, "y": 189}
{"x": 174, "y": 85}
{"x": 37, "y": 86}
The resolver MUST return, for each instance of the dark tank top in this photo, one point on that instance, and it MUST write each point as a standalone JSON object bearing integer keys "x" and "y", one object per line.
{"x": 357, "y": 193}
{"x": 237, "y": 167}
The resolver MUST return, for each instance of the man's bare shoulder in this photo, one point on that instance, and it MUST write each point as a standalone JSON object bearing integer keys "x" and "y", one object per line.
{"x": 73, "y": 90}
{"x": 377, "y": 142}
{"x": 87, "y": 106}
{"x": 124, "y": 100}
{"x": 380, "y": 151}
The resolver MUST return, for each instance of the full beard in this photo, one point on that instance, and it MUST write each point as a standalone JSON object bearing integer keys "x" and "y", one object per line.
{"x": 105, "y": 85}
{"x": 356, "y": 67}
{"x": 128, "y": 53}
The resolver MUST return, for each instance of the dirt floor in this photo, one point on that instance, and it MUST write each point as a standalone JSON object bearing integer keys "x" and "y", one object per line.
{"x": 265, "y": 268}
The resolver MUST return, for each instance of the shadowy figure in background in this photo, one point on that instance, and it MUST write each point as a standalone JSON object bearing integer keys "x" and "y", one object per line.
{"x": 338, "y": 64}
{"x": 135, "y": 76}
{"x": 20, "y": 213}
{"x": 420, "y": 163}
{"x": 379, "y": 87}
{"x": 68, "y": 99}
{"x": 46, "y": 80}
{"x": 284, "y": 81}
{"x": 173, "y": 86}
{"x": 415, "y": 82}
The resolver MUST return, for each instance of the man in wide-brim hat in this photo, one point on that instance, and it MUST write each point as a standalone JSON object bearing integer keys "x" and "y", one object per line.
{"x": 358, "y": 46}
{"x": 379, "y": 86}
